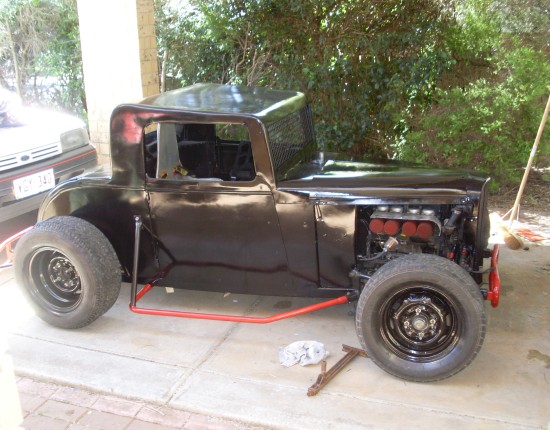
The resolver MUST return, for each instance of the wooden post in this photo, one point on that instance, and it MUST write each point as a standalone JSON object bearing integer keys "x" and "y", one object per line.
{"x": 515, "y": 208}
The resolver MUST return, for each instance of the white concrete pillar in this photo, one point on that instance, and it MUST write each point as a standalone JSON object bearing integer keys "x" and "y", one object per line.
{"x": 119, "y": 54}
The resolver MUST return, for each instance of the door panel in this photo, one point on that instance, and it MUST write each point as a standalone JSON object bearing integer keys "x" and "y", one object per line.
{"x": 218, "y": 238}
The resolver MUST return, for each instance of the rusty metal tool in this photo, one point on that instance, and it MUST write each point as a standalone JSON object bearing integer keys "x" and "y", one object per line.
{"x": 325, "y": 377}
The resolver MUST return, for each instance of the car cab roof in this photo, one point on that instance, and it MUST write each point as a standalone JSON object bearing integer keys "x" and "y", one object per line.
{"x": 264, "y": 103}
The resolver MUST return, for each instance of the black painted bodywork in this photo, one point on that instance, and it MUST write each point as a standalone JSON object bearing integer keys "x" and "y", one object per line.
{"x": 296, "y": 228}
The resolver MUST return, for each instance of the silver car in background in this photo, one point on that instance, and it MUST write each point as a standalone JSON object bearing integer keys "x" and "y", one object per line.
{"x": 40, "y": 150}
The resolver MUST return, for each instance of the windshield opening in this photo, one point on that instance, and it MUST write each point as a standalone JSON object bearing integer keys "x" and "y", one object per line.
{"x": 291, "y": 142}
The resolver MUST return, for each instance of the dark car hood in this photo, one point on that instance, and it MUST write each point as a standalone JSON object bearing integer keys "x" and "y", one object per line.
{"x": 332, "y": 174}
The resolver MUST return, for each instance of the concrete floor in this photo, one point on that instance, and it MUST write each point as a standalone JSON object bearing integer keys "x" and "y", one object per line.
{"x": 231, "y": 371}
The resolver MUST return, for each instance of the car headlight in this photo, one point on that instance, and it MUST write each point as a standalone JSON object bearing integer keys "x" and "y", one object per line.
{"x": 74, "y": 139}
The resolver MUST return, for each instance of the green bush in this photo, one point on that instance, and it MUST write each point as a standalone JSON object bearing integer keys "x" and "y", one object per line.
{"x": 488, "y": 125}
{"x": 433, "y": 81}
{"x": 40, "y": 55}
{"x": 360, "y": 63}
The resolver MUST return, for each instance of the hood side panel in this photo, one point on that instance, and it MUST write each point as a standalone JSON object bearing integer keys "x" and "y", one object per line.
{"x": 336, "y": 244}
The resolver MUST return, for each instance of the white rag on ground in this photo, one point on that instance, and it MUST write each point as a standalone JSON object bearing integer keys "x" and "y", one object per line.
{"x": 304, "y": 352}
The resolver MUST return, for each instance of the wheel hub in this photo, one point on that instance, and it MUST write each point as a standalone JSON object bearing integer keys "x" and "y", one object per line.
{"x": 419, "y": 317}
{"x": 56, "y": 280}
{"x": 419, "y": 324}
{"x": 63, "y": 274}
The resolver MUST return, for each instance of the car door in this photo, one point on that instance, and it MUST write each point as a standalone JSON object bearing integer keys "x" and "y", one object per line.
{"x": 212, "y": 215}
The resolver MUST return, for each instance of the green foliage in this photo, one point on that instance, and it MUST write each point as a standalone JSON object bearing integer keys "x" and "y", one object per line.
{"x": 476, "y": 34}
{"x": 361, "y": 63}
{"x": 443, "y": 82}
{"x": 40, "y": 52}
{"x": 62, "y": 60}
{"x": 489, "y": 122}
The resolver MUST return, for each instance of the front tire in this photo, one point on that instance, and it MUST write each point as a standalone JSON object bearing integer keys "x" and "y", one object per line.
{"x": 421, "y": 318}
{"x": 68, "y": 270}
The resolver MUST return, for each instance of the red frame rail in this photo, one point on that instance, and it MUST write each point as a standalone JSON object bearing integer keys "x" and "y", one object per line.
{"x": 493, "y": 295}
{"x": 7, "y": 247}
{"x": 136, "y": 295}
{"x": 232, "y": 318}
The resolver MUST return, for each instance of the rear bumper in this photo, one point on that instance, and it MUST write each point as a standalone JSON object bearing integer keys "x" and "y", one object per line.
{"x": 66, "y": 165}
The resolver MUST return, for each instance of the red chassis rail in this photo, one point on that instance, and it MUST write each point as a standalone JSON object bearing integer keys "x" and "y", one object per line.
{"x": 7, "y": 247}
{"x": 221, "y": 317}
{"x": 493, "y": 295}
{"x": 136, "y": 295}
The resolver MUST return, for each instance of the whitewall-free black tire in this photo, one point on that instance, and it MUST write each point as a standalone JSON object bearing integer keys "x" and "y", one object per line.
{"x": 421, "y": 317}
{"x": 68, "y": 270}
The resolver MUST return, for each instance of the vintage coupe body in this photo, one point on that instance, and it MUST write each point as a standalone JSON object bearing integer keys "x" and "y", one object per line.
{"x": 222, "y": 188}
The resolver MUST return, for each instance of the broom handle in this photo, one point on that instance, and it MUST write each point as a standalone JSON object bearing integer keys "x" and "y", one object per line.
{"x": 514, "y": 213}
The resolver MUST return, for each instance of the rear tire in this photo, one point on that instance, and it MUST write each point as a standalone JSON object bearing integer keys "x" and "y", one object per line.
{"x": 68, "y": 270}
{"x": 421, "y": 318}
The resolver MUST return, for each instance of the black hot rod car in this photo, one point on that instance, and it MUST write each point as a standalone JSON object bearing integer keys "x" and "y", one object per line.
{"x": 222, "y": 188}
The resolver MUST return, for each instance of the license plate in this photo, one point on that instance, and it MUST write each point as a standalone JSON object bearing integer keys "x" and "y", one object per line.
{"x": 33, "y": 184}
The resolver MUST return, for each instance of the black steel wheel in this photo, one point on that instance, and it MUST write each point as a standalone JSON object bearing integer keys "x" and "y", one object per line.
{"x": 55, "y": 280}
{"x": 68, "y": 270}
{"x": 421, "y": 318}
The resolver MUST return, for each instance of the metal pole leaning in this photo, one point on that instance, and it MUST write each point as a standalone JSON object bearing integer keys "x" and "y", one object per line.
{"x": 137, "y": 238}
{"x": 514, "y": 212}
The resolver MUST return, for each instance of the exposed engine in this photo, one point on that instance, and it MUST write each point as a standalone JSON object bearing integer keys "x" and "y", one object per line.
{"x": 387, "y": 231}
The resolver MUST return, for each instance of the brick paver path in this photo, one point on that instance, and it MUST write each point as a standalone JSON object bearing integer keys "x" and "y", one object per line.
{"x": 47, "y": 406}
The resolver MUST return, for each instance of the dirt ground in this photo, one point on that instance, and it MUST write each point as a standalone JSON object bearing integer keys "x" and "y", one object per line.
{"x": 536, "y": 196}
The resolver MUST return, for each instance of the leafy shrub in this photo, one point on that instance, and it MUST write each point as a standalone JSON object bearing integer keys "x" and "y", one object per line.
{"x": 432, "y": 81}
{"x": 490, "y": 124}
{"x": 40, "y": 55}
{"x": 360, "y": 63}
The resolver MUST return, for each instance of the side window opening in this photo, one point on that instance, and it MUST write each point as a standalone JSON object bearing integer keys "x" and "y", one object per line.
{"x": 210, "y": 152}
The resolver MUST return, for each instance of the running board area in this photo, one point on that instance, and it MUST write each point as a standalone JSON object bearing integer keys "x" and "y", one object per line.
{"x": 136, "y": 295}
{"x": 232, "y": 318}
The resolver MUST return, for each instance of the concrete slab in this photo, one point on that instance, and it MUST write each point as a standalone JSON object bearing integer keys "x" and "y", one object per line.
{"x": 84, "y": 367}
{"x": 232, "y": 371}
{"x": 170, "y": 341}
{"x": 496, "y": 390}
{"x": 283, "y": 407}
